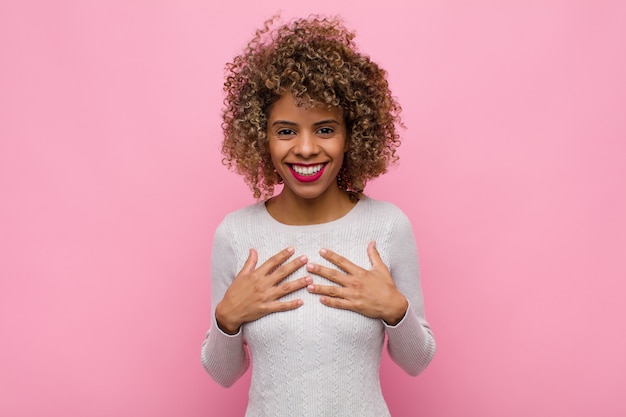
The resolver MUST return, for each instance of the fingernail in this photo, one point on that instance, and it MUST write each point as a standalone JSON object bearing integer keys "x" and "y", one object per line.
{"x": 290, "y": 249}
{"x": 299, "y": 302}
{"x": 303, "y": 258}
{"x": 310, "y": 288}
{"x": 308, "y": 280}
{"x": 310, "y": 267}
{"x": 323, "y": 251}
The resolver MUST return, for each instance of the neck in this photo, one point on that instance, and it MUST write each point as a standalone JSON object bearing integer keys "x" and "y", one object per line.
{"x": 291, "y": 209}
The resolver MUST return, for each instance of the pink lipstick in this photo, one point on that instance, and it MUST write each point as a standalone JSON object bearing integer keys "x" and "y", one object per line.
{"x": 303, "y": 175}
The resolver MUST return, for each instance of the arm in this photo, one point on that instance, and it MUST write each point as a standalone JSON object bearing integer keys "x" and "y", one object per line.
{"x": 411, "y": 343}
{"x": 224, "y": 356}
{"x": 390, "y": 293}
{"x": 243, "y": 297}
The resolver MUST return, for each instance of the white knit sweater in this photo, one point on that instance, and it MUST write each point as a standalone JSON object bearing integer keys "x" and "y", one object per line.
{"x": 317, "y": 360}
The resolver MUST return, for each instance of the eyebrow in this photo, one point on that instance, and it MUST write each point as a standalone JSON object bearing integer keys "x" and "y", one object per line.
{"x": 321, "y": 122}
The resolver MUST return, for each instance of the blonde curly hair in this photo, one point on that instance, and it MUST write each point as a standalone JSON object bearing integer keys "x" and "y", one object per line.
{"x": 315, "y": 60}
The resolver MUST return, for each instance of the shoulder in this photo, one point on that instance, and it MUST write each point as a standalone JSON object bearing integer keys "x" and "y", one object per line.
{"x": 382, "y": 208}
{"x": 240, "y": 220}
{"x": 244, "y": 214}
{"x": 387, "y": 216}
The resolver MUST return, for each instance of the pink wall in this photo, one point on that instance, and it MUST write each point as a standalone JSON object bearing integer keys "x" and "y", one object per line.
{"x": 513, "y": 172}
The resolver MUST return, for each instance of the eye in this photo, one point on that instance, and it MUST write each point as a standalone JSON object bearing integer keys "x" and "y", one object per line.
{"x": 325, "y": 131}
{"x": 285, "y": 133}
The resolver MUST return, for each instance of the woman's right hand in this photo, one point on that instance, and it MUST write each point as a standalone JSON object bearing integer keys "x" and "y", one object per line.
{"x": 254, "y": 292}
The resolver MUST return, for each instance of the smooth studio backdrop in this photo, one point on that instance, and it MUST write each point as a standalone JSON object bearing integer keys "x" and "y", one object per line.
{"x": 512, "y": 171}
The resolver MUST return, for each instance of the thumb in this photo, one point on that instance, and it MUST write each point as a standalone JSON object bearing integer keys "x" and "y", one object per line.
{"x": 373, "y": 254}
{"x": 251, "y": 262}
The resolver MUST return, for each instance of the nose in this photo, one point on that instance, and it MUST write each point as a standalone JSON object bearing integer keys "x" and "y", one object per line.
{"x": 306, "y": 145}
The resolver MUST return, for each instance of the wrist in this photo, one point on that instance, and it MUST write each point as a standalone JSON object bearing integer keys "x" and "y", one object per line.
{"x": 225, "y": 325}
{"x": 397, "y": 313}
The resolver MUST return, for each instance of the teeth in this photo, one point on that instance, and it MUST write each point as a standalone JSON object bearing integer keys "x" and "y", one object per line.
{"x": 310, "y": 170}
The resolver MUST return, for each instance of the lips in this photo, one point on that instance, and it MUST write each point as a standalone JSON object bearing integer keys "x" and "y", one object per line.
{"x": 307, "y": 173}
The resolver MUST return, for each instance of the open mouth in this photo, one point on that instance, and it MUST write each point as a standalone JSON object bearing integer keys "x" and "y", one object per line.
{"x": 307, "y": 173}
{"x": 307, "y": 170}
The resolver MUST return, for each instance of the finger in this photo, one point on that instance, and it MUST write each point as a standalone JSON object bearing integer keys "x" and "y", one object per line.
{"x": 277, "y": 306}
{"x": 338, "y": 260}
{"x": 289, "y": 287}
{"x": 284, "y": 270}
{"x": 331, "y": 274}
{"x": 250, "y": 263}
{"x": 327, "y": 290}
{"x": 276, "y": 260}
{"x": 335, "y": 302}
{"x": 373, "y": 254}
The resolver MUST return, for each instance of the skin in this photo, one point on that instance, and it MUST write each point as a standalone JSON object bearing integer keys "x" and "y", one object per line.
{"x": 305, "y": 137}
{"x": 308, "y": 137}
{"x": 371, "y": 293}
{"x": 254, "y": 292}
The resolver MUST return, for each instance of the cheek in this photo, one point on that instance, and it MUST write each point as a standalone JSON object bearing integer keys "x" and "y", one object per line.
{"x": 346, "y": 142}
{"x": 276, "y": 153}
{"x": 345, "y": 146}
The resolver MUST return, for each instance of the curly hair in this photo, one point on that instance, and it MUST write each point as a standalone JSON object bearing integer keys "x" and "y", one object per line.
{"x": 315, "y": 60}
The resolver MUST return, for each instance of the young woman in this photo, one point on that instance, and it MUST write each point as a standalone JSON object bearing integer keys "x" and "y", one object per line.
{"x": 307, "y": 283}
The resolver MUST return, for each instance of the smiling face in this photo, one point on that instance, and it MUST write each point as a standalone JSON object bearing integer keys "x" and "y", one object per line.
{"x": 307, "y": 146}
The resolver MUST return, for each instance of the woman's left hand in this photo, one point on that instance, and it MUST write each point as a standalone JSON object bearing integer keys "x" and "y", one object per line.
{"x": 371, "y": 293}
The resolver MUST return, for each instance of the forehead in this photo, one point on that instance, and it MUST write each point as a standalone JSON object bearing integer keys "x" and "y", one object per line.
{"x": 289, "y": 109}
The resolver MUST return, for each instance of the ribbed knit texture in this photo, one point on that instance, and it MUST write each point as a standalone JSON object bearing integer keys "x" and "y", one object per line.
{"x": 317, "y": 360}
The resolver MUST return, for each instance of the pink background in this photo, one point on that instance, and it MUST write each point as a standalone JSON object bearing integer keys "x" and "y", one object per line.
{"x": 513, "y": 172}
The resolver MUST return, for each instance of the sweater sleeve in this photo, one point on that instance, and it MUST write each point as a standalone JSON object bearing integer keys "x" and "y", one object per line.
{"x": 224, "y": 356}
{"x": 411, "y": 343}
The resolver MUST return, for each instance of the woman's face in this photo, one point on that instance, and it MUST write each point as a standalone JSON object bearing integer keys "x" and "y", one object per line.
{"x": 307, "y": 146}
